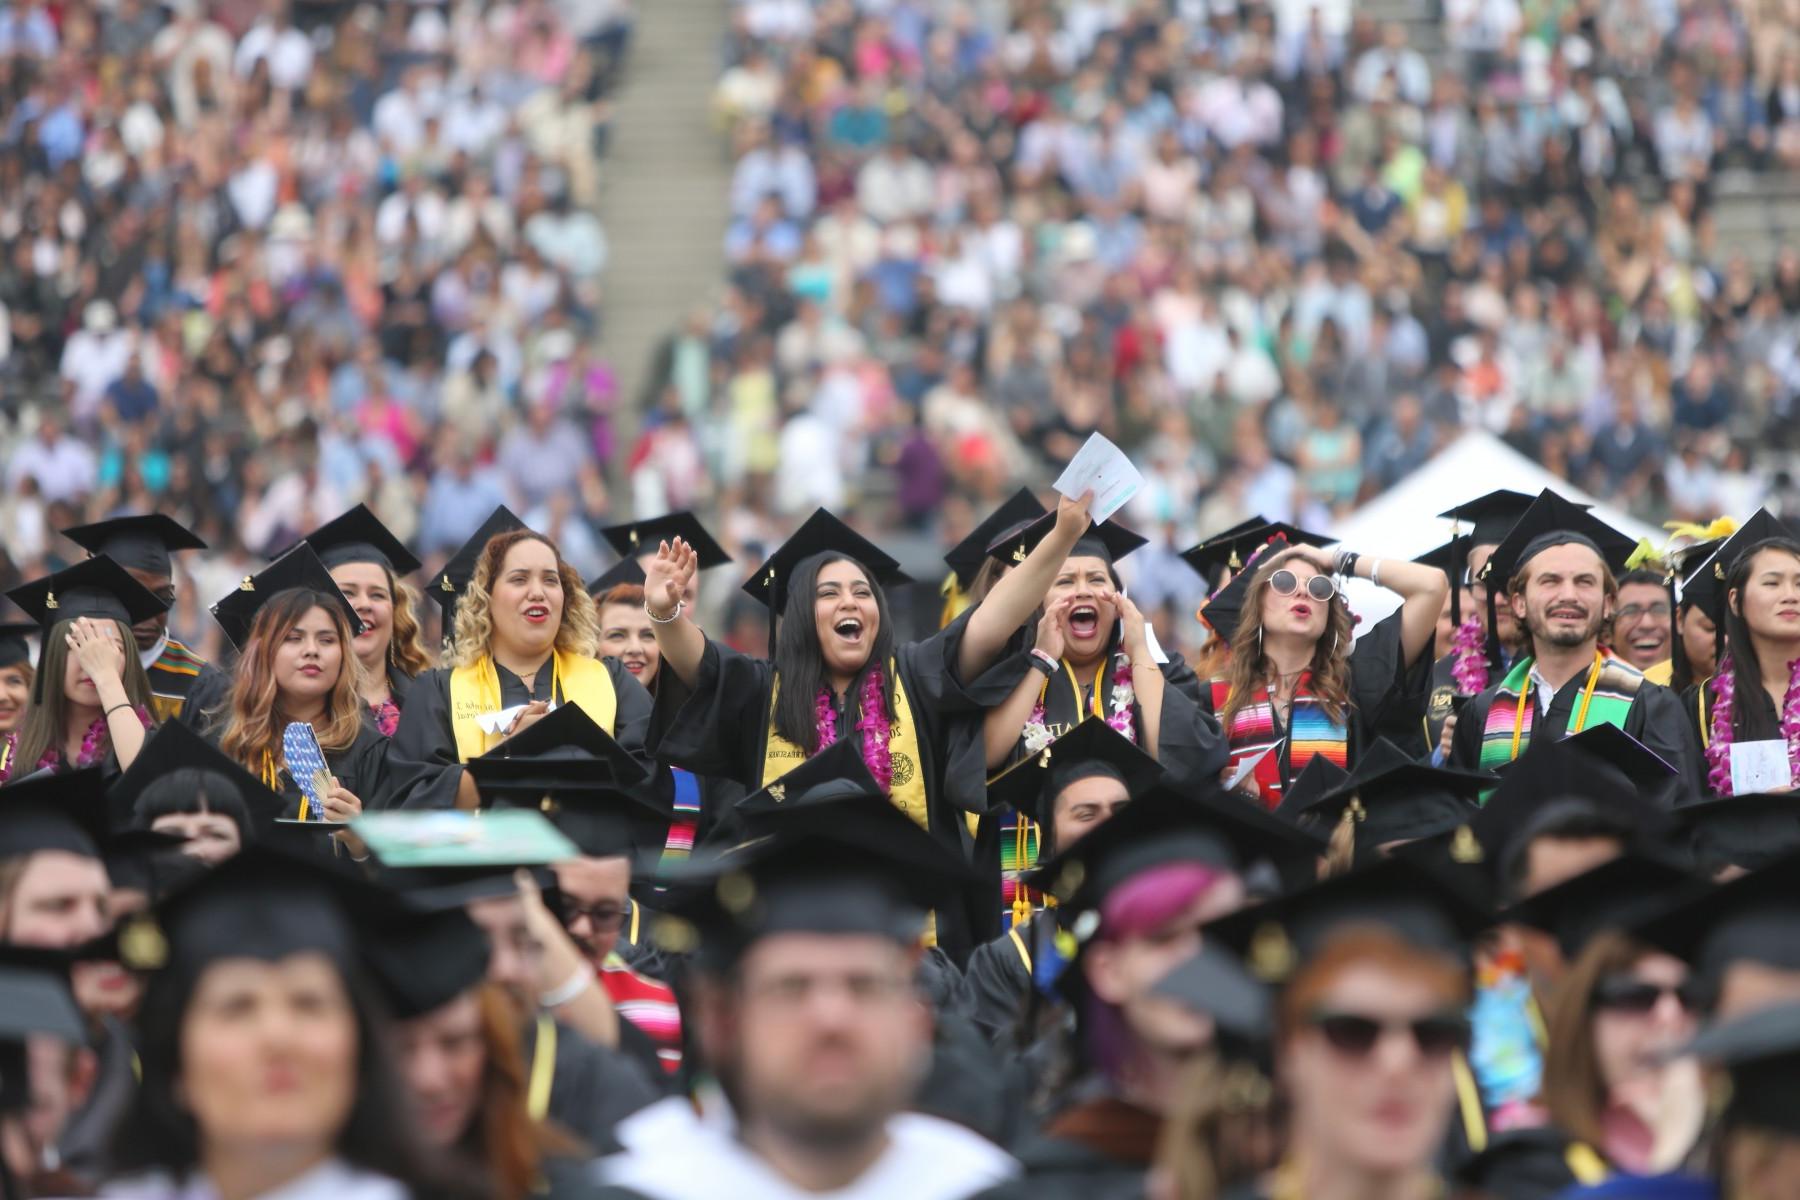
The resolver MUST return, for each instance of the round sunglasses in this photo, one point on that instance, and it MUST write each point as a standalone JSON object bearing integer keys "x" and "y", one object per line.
{"x": 1285, "y": 583}
{"x": 1356, "y": 1036}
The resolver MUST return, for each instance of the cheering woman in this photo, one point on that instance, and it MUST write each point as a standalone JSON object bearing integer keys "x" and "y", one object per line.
{"x": 839, "y": 670}
{"x": 1297, "y": 686}
{"x": 369, "y": 565}
{"x": 294, "y": 630}
{"x": 91, "y": 699}
{"x": 526, "y": 640}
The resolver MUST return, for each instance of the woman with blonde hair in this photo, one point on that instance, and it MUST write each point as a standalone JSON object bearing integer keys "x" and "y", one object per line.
{"x": 526, "y": 641}
{"x": 369, "y": 564}
{"x": 90, "y": 700}
{"x": 1298, "y": 683}
{"x": 294, "y": 631}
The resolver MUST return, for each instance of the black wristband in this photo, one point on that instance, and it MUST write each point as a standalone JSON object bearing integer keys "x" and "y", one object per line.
{"x": 115, "y": 708}
{"x": 1039, "y": 661}
{"x": 1348, "y": 570}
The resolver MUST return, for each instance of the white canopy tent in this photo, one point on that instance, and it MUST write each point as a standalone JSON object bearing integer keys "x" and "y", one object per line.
{"x": 1402, "y": 522}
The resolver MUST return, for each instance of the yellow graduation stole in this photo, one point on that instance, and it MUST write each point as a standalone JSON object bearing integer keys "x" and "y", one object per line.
{"x": 907, "y": 791}
{"x": 475, "y": 690}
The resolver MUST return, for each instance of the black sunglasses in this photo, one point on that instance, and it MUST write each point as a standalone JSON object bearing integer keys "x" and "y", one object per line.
{"x": 1285, "y": 583}
{"x": 1628, "y": 994}
{"x": 1357, "y": 1036}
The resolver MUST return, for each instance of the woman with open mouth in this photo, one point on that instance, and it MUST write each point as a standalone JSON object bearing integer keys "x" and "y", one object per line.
{"x": 369, "y": 565}
{"x": 526, "y": 640}
{"x": 1298, "y": 684}
{"x": 294, "y": 630}
{"x": 840, "y": 670}
{"x": 1751, "y": 591}
{"x": 90, "y": 704}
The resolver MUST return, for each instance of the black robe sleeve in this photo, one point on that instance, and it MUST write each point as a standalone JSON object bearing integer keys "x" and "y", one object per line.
{"x": 422, "y": 768}
{"x": 594, "y": 1088}
{"x": 1189, "y": 744}
{"x": 995, "y": 985}
{"x": 1465, "y": 743}
{"x": 362, "y": 768}
{"x": 714, "y": 725}
{"x": 1657, "y": 720}
{"x": 1388, "y": 694}
{"x": 205, "y": 702}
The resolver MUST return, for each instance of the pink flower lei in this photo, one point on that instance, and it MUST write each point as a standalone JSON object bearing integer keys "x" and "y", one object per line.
{"x": 873, "y": 723}
{"x": 1118, "y": 714}
{"x": 1470, "y": 670}
{"x": 1718, "y": 750}
{"x": 95, "y": 744}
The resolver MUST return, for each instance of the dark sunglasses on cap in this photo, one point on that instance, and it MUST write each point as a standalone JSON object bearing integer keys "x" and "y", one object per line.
{"x": 1285, "y": 583}
{"x": 1628, "y": 994}
{"x": 1356, "y": 1036}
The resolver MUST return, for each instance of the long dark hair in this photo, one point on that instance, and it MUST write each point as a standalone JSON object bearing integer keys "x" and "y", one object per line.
{"x": 42, "y": 729}
{"x": 1749, "y": 721}
{"x": 194, "y": 790}
{"x": 801, "y": 661}
{"x": 379, "y": 1134}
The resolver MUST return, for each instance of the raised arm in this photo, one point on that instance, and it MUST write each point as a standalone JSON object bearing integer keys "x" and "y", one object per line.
{"x": 1020, "y": 591}
{"x": 1421, "y": 589}
{"x": 679, "y": 640}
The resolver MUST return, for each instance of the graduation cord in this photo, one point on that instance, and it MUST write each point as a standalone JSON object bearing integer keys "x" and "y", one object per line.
{"x": 543, "y": 1068}
{"x": 1587, "y": 698}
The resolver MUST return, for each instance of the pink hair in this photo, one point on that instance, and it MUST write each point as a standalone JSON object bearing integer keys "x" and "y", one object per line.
{"x": 1136, "y": 908}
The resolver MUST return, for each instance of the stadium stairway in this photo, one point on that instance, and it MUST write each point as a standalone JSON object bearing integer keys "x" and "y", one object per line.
{"x": 667, "y": 178}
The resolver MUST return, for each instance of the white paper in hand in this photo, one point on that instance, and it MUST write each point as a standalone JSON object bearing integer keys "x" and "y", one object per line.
{"x": 1157, "y": 653}
{"x": 1248, "y": 765}
{"x": 1102, "y": 468}
{"x": 1759, "y": 766}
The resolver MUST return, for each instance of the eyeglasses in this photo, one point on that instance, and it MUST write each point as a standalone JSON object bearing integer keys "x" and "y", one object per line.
{"x": 1285, "y": 583}
{"x": 604, "y": 918}
{"x": 1632, "y": 612}
{"x": 1629, "y": 994}
{"x": 1357, "y": 1036}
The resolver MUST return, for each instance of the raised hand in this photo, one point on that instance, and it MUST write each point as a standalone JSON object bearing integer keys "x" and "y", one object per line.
{"x": 96, "y": 647}
{"x": 1053, "y": 627}
{"x": 667, "y": 576}
{"x": 341, "y": 804}
{"x": 1072, "y": 515}
{"x": 1134, "y": 634}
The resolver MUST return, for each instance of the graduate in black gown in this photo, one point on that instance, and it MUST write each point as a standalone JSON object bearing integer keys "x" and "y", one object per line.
{"x": 90, "y": 701}
{"x": 294, "y": 632}
{"x": 1297, "y": 683}
{"x": 699, "y": 804}
{"x": 840, "y": 671}
{"x": 145, "y": 545}
{"x": 1066, "y": 790}
{"x": 1132, "y": 896}
{"x": 370, "y": 566}
{"x": 1556, "y": 570}
{"x": 526, "y": 640}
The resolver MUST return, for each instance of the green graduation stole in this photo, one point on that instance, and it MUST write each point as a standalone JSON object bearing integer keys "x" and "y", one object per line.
{"x": 1606, "y": 697}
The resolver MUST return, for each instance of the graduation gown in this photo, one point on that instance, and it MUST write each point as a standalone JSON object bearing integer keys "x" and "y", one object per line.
{"x": 204, "y": 702}
{"x": 172, "y": 676}
{"x": 719, "y": 726}
{"x": 1098, "y": 1149}
{"x": 424, "y": 771}
{"x": 1697, "y": 704}
{"x": 592, "y": 1088}
{"x": 1385, "y": 694}
{"x": 996, "y": 983}
{"x": 361, "y": 767}
{"x": 1655, "y": 718}
{"x": 1440, "y": 702}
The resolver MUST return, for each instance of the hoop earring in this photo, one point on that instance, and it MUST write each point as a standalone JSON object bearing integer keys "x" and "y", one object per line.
{"x": 1334, "y": 645}
{"x": 1259, "y": 652}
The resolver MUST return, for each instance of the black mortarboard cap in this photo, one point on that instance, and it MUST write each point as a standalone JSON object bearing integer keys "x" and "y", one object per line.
{"x": 625, "y": 571}
{"x": 1616, "y": 895}
{"x": 147, "y": 861}
{"x": 1109, "y": 540}
{"x": 1448, "y": 558}
{"x": 1706, "y": 584}
{"x": 1762, "y": 1052}
{"x": 1748, "y": 832}
{"x": 138, "y": 543}
{"x": 572, "y": 771}
{"x": 1753, "y": 918}
{"x": 298, "y": 568}
{"x": 820, "y": 533}
{"x": 173, "y": 746}
{"x": 833, "y": 774}
{"x": 1278, "y": 937}
{"x": 1519, "y": 1164}
{"x": 423, "y": 960}
{"x": 35, "y": 997}
{"x": 14, "y": 649}
{"x": 1093, "y": 747}
{"x": 63, "y": 811}
{"x": 568, "y": 740}
{"x": 1163, "y": 827}
{"x": 359, "y": 536}
{"x": 1233, "y": 548}
{"x": 843, "y": 866}
{"x": 1215, "y": 983}
{"x": 1318, "y": 776}
{"x": 1392, "y": 797}
{"x": 1486, "y": 520}
{"x": 636, "y": 538}
{"x": 94, "y": 587}
{"x": 1553, "y": 521}
{"x": 1015, "y": 512}
{"x": 448, "y": 584}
